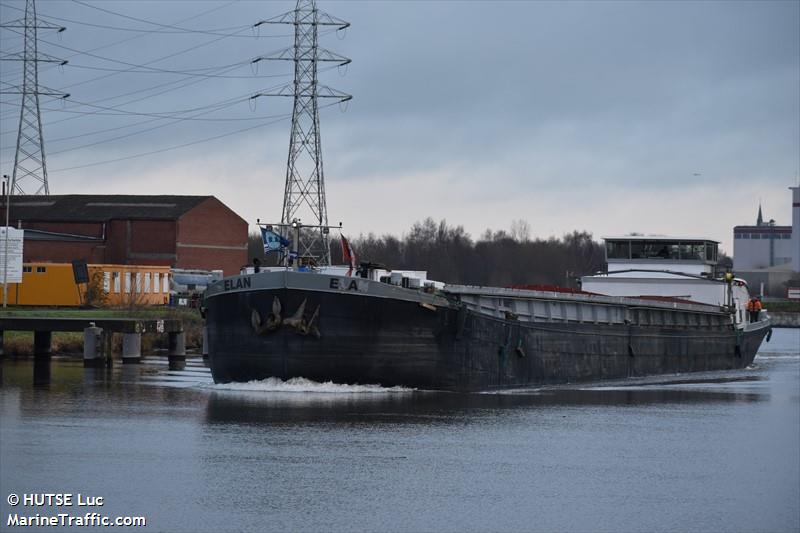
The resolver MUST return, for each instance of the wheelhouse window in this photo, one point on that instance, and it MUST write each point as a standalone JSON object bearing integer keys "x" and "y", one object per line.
{"x": 694, "y": 251}
{"x": 654, "y": 250}
{"x": 650, "y": 250}
{"x": 618, "y": 249}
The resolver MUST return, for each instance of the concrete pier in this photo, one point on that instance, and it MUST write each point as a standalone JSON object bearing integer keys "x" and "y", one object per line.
{"x": 97, "y": 336}
{"x": 93, "y": 353}
{"x": 131, "y": 347}
{"x": 177, "y": 346}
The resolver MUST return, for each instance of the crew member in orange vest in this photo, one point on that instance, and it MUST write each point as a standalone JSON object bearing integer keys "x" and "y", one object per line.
{"x": 754, "y": 307}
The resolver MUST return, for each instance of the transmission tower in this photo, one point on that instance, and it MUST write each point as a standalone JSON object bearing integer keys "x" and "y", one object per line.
{"x": 305, "y": 180}
{"x": 30, "y": 166}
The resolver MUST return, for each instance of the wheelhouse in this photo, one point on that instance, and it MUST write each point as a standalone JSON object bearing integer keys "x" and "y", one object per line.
{"x": 635, "y": 249}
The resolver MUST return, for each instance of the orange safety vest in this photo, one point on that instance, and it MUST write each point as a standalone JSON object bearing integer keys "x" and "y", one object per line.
{"x": 754, "y": 305}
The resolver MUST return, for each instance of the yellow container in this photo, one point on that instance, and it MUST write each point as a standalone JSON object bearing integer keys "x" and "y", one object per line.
{"x": 53, "y": 284}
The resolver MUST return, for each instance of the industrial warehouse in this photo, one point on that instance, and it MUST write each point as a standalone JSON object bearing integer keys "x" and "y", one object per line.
{"x": 132, "y": 246}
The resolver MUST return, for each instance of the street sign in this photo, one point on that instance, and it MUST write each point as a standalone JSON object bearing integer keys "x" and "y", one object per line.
{"x": 11, "y": 263}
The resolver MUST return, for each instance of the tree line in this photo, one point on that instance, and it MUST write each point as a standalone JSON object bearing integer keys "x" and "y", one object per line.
{"x": 497, "y": 258}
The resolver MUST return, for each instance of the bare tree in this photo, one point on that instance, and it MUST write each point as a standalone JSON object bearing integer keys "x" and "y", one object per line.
{"x": 520, "y": 230}
{"x": 498, "y": 258}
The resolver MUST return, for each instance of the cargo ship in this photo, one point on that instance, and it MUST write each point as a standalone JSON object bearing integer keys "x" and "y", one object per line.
{"x": 659, "y": 308}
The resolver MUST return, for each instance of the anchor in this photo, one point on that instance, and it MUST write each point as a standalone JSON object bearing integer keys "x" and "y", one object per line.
{"x": 297, "y": 321}
{"x": 309, "y": 327}
{"x": 273, "y": 320}
{"x": 297, "y": 318}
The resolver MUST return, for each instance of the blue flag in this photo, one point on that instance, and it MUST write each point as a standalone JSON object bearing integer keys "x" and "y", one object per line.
{"x": 272, "y": 241}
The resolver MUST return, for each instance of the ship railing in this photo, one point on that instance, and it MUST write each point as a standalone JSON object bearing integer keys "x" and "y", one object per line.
{"x": 587, "y": 298}
{"x": 575, "y": 311}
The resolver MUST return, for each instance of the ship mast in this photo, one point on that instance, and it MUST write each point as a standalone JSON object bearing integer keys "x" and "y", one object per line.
{"x": 304, "y": 194}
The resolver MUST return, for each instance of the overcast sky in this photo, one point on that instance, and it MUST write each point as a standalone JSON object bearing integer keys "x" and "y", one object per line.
{"x": 612, "y": 117}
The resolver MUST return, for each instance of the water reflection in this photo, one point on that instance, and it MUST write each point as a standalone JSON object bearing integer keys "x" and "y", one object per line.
{"x": 41, "y": 372}
{"x": 715, "y": 451}
{"x": 422, "y": 407}
{"x": 189, "y": 383}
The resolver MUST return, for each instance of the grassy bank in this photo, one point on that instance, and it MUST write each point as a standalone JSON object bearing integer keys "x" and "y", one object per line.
{"x": 68, "y": 342}
{"x": 784, "y": 306}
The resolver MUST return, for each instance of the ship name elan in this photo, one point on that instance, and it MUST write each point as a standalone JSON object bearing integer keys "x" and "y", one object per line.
{"x": 238, "y": 283}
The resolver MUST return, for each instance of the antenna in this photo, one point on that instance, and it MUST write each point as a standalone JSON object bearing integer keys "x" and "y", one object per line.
{"x": 305, "y": 181}
{"x": 30, "y": 166}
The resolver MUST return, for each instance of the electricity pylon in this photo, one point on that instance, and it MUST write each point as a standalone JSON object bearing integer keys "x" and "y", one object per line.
{"x": 30, "y": 165}
{"x": 305, "y": 180}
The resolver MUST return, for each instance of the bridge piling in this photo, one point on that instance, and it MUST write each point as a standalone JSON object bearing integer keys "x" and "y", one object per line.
{"x": 92, "y": 346}
{"x": 42, "y": 344}
{"x": 177, "y": 346}
{"x": 131, "y": 348}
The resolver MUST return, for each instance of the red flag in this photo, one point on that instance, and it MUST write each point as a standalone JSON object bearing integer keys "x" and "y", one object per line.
{"x": 349, "y": 255}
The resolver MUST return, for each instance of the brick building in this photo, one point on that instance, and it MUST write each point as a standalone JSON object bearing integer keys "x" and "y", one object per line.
{"x": 192, "y": 232}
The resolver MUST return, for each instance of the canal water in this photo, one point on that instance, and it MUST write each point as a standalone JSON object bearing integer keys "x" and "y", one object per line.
{"x": 702, "y": 452}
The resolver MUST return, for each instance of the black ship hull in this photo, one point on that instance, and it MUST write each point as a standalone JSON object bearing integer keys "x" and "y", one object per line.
{"x": 359, "y": 337}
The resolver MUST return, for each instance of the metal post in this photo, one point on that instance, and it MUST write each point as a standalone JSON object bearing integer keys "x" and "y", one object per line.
{"x": 6, "y": 191}
{"x": 296, "y": 225}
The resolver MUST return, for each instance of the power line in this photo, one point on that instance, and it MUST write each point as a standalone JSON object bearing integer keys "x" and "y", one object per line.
{"x": 128, "y": 39}
{"x": 171, "y": 117}
{"x": 216, "y": 31}
{"x": 84, "y": 114}
{"x": 176, "y": 147}
{"x": 162, "y": 114}
{"x": 158, "y": 24}
{"x": 153, "y": 128}
{"x": 156, "y": 86}
{"x": 189, "y": 73}
{"x": 184, "y": 145}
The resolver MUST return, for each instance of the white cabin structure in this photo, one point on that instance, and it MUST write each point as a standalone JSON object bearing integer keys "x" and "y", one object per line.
{"x": 673, "y": 267}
